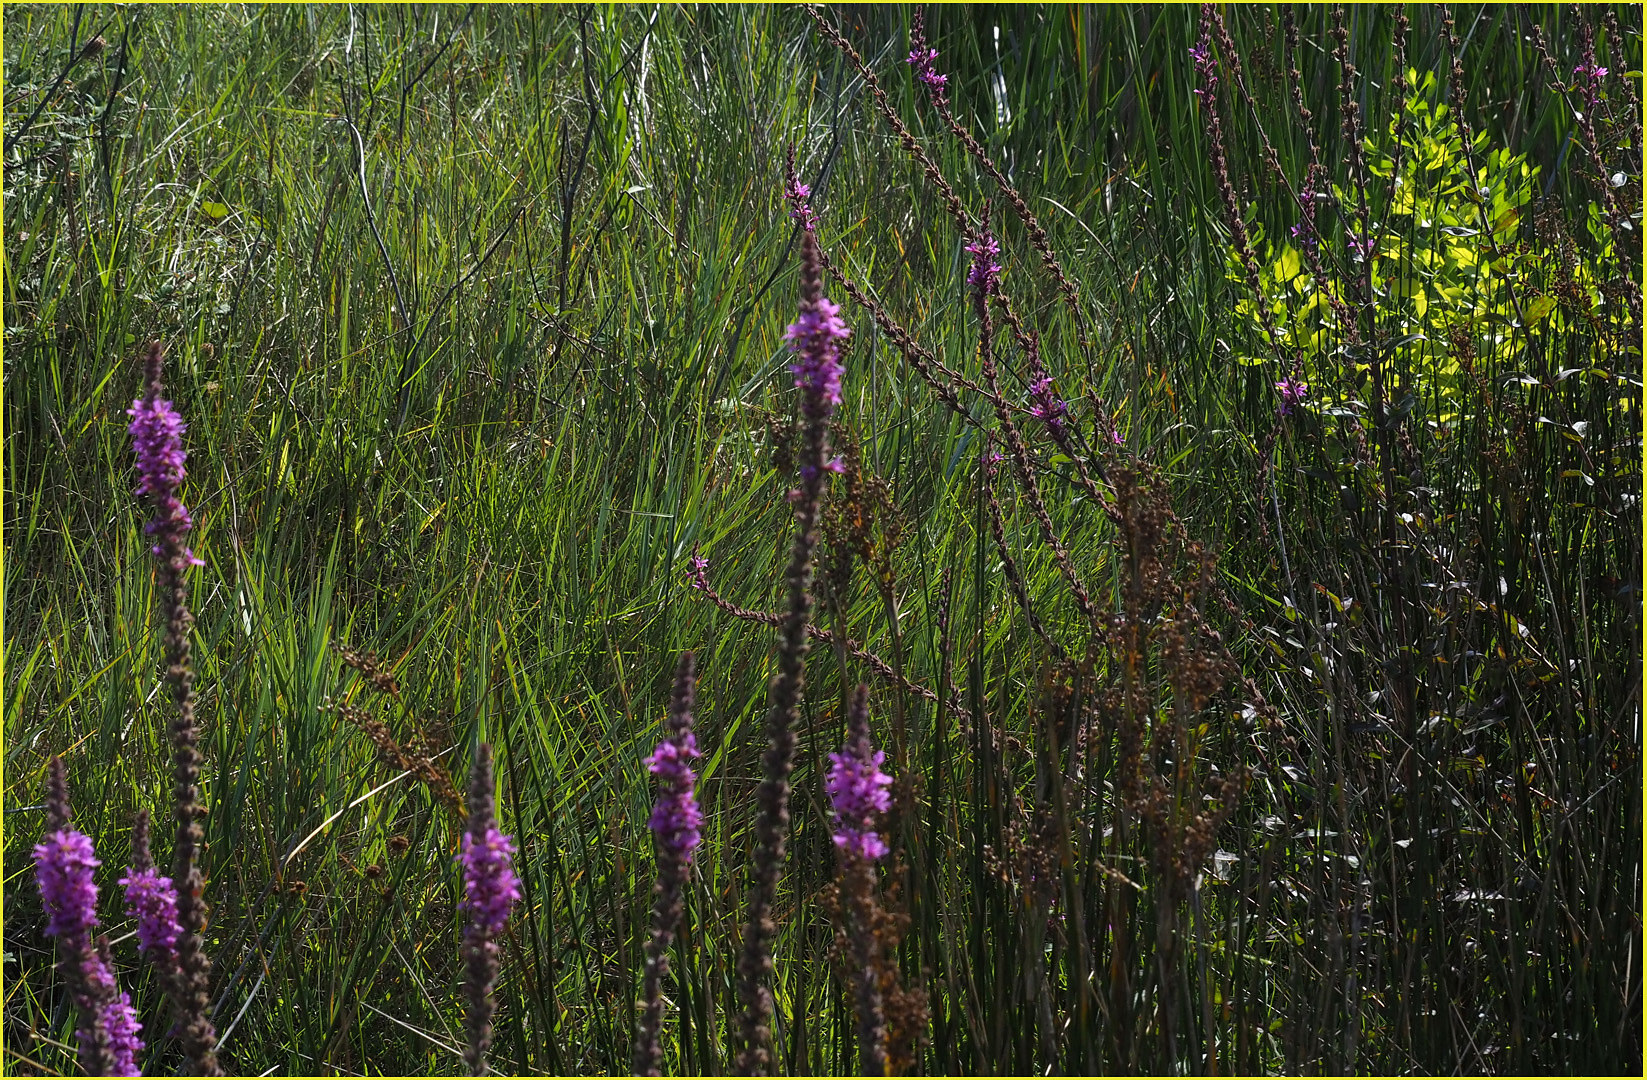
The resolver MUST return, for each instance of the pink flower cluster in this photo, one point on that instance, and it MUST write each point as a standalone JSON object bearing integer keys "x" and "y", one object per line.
{"x": 1048, "y": 408}
{"x": 64, "y": 861}
{"x": 151, "y": 899}
{"x": 1293, "y": 391}
{"x": 922, "y": 58}
{"x": 799, "y": 197}
{"x": 985, "y": 270}
{"x": 858, "y": 792}
{"x": 816, "y": 338}
{"x": 676, "y": 819}
{"x": 489, "y": 883}
{"x": 157, "y": 436}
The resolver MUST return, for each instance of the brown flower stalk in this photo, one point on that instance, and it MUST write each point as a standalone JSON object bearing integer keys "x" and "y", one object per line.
{"x": 952, "y": 202}
{"x": 1009, "y": 565}
{"x": 675, "y": 823}
{"x": 1037, "y": 235}
{"x": 160, "y": 458}
{"x": 815, "y": 336}
{"x": 1029, "y": 342}
{"x": 982, "y": 279}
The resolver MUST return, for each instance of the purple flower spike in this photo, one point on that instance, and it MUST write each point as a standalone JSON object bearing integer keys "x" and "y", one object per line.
{"x": 1206, "y": 64}
{"x": 63, "y": 865}
{"x": 1591, "y": 75}
{"x": 1293, "y": 391}
{"x": 985, "y": 270}
{"x": 675, "y": 822}
{"x": 151, "y": 899}
{"x": 1048, "y": 408}
{"x": 157, "y": 437}
{"x": 816, "y": 338}
{"x": 676, "y": 817}
{"x": 799, "y": 197}
{"x": 490, "y": 890}
{"x": 120, "y": 1021}
{"x": 699, "y": 574}
{"x": 922, "y": 57}
{"x": 489, "y": 884}
{"x": 858, "y": 787}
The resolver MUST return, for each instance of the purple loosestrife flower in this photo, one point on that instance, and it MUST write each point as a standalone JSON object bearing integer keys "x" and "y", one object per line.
{"x": 799, "y": 197}
{"x": 815, "y": 337}
{"x": 157, "y": 437}
{"x": 922, "y": 58}
{"x": 676, "y": 817}
{"x": 151, "y": 899}
{"x": 1590, "y": 76}
{"x": 490, "y": 890}
{"x": 1304, "y": 233}
{"x": 985, "y": 271}
{"x": 1206, "y": 64}
{"x": 858, "y": 791}
{"x": 120, "y": 1020}
{"x": 1048, "y": 408}
{"x": 1292, "y": 391}
{"x": 1362, "y": 247}
{"x": 675, "y": 822}
{"x": 64, "y": 864}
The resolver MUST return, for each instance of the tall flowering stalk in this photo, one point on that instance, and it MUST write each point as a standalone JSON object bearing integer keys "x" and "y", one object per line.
{"x": 675, "y": 823}
{"x": 858, "y": 792}
{"x": 815, "y": 337}
{"x": 490, "y": 891}
{"x": 63, "y": 865}
{"x": 983, "y": 277}
{"x": 923, "y": 58}
{"x": 157, "y": 437}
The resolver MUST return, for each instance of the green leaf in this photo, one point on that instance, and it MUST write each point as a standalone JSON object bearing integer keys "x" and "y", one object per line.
{"x": 215, "y": 210}
{"x": 1288, "y": 265}
{"x": 1540, "y": 308}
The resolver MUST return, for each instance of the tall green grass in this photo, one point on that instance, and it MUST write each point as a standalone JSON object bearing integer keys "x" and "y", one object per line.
{"x": 470, "y": 399}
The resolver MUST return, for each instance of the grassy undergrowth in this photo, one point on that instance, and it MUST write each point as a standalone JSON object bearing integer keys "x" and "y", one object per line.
{"x": 476, "y": 317}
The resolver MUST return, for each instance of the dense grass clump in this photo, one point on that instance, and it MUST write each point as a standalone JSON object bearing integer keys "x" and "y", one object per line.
{"x": 1225, "y": 534}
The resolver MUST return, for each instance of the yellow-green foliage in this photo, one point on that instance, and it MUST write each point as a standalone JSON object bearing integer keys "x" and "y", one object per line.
{"x": 1451, "y": 250}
